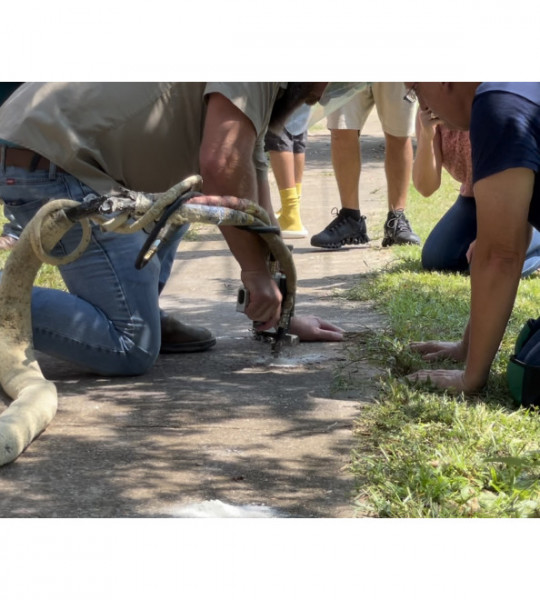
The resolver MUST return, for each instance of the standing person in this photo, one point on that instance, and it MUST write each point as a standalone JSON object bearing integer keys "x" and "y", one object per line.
{"x": 504, "y": 124}
{"x": 67, "y": 140}
{"x": 447, "y": 246}
{"x": 287, "y": 152}
{"x": 345, "y": 125}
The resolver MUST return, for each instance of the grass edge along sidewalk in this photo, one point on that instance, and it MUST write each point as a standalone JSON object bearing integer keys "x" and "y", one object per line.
{"x": 429, "y": 454}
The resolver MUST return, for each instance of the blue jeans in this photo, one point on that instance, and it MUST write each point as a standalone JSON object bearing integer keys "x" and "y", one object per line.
{"x": 109, "y": 322}
{"x": 446, "y": 246}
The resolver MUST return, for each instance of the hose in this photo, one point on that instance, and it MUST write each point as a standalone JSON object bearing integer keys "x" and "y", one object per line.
{"x": 34, "y": 398}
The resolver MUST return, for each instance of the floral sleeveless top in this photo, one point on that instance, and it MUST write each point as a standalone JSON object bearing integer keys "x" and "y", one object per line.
{"x": 456, "y": 157}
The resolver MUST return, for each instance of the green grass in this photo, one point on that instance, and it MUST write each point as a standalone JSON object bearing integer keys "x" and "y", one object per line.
{"x": 429, "y": 454}
{"x": 48, "y": 276}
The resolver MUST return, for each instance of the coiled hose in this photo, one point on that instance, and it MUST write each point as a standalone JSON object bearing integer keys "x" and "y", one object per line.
{"x": 34, "y": 398}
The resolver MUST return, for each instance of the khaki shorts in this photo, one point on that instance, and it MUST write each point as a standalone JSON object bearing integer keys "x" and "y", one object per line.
{"x": 397, "y": 116}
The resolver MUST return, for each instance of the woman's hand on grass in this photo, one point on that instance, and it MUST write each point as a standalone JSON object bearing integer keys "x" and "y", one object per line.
{"x": 433, "y": 350}
{"x": 444, "y": 379}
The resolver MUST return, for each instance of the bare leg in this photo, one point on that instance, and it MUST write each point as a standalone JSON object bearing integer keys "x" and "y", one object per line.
{"x": 283, "y": 167}
{"x": 347, "y": 161}
{"x": 349, "y": 226}
{"x": 299, "y": 164}
{"x": 398, "y": 167}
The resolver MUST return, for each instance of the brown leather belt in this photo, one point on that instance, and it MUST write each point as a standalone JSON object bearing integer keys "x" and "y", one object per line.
{"x": 27, "y": 159}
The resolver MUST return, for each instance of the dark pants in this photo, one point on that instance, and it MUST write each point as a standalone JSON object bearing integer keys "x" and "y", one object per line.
{"x": 446, "y": 246}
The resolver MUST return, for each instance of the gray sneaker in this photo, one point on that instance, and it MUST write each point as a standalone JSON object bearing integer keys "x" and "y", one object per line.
{"x": 342, "y": 230}
{"x": 397, "y": 230}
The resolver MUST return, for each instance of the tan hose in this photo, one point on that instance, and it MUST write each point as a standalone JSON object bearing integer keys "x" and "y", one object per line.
{"x": 34, "y": 398}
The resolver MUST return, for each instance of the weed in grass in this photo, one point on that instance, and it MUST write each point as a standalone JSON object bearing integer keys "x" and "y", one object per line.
{"x": 357, "y": 372}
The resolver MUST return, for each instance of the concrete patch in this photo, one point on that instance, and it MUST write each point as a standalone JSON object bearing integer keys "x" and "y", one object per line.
{"x": 231, "y": 431}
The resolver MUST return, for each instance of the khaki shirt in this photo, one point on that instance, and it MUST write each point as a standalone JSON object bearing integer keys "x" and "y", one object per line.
{"x": 140, "y": 136}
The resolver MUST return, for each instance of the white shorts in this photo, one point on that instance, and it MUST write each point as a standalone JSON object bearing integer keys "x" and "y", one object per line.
{"x": 397, "y": 116}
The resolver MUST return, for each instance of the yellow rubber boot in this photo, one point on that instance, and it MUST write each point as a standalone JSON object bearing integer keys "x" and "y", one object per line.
{"x": 289, "y": 215}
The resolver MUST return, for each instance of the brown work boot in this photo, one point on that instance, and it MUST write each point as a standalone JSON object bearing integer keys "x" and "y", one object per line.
{"x": 179, "y": 337}
{"x": 7, "y": 242}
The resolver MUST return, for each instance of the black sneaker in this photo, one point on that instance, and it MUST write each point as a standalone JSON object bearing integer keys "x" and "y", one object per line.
{"x": 397, "y": 230}
{"x": 342, "y": 230}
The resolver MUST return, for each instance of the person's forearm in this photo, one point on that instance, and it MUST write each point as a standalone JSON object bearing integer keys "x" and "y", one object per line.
{"x": 426, "y": 173}
{"x": 494, "y": 283}
{"x": 249, "y": 250}
{"x": 502, "y": 205}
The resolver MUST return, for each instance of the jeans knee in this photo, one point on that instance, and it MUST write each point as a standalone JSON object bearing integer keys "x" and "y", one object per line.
{"x": 136, "y": 361}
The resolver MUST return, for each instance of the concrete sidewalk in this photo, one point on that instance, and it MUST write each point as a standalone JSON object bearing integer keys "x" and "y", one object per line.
{"x": 228, "y": 424}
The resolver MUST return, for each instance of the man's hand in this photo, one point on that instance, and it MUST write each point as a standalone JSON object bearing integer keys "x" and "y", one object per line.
{"x": 451, "y": 380}
{"x": 432, "y": 350}
{"x": 312, "y": 329}
{"x": 264, "y": 298}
